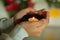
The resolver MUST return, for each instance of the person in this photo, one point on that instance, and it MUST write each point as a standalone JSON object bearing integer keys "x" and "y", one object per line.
{"x": 24, "y": 29}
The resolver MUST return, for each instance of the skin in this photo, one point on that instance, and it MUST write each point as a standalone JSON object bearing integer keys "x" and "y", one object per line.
{"x": 32, "y": 28}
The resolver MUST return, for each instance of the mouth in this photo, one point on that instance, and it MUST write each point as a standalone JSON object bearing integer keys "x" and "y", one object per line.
{"x": 30, "y": 15}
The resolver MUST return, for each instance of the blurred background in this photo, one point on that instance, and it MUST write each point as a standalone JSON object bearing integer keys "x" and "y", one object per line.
{"x": 8, "y": 8}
